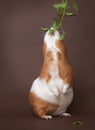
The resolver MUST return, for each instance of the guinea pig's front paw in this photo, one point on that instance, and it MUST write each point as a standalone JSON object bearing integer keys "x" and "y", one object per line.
{"x": 55, "y": 92}
{"x": 65, "y": 88}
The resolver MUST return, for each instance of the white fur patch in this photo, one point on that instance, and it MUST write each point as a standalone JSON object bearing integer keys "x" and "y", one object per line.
{"x": 50, "y": 40}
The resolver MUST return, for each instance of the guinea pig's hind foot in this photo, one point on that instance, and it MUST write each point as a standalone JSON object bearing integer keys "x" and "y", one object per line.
{"x": 41, "y": 113}
{"x": 47, "y": 117}
{"x": 66, "y": 114}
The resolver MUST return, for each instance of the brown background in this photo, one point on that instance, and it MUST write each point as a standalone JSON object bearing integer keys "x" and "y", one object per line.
{"x": 21, "y": 60}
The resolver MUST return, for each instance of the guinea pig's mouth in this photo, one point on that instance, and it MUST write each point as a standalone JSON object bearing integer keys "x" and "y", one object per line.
{"x": 51, "y": 31}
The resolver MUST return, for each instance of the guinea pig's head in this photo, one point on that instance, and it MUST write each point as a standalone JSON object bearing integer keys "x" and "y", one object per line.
{"x": 53, "y": 40}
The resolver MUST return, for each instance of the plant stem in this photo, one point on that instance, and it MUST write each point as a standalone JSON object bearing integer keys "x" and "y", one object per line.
{"x": 61, "y": 20}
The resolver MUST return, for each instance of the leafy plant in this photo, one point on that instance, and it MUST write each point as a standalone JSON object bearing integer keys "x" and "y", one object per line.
{"x": 63, "y": 9}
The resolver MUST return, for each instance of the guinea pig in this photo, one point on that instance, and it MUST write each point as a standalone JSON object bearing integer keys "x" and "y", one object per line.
{"x": 52, "y": 92}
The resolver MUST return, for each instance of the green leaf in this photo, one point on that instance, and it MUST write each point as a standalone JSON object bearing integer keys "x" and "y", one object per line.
{"x": 62, "y": 36}
{"x": 75, "y": 6}
{"x": 64, "y": 5}
{"x": 45, "y": 29}
{"x": 57, "y": 6}
{"x": 69, "y": 14}
{"x": 60, "y": 6}
{"x": 77, "y": 123}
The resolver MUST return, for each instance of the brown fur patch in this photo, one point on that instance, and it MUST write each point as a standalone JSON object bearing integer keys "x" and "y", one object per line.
{"x": 40, "y": 107}
{"x": 65, "y": 69}
{"x": 61, "y": 47}
{"x": 48, "y": 60}
{"x": 44, "y": 48}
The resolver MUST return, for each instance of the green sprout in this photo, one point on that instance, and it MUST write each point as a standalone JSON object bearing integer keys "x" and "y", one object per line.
{"x": 63, "y": 10}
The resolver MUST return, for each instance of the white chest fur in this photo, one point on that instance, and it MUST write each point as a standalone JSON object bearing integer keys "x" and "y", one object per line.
{"x": 48, "y": 92}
